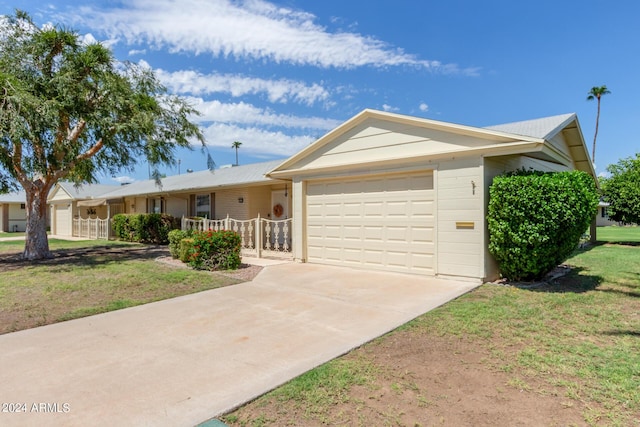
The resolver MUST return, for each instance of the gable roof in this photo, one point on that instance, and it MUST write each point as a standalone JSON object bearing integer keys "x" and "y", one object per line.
{"x": 253, "y": 173}
{"x": 542, "y": 128}
{"x": 531, "y": 137}
{"x": 72, "y": 192}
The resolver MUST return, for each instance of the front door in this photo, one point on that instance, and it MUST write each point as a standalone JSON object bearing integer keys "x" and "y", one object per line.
{"x": 280, "y": 204}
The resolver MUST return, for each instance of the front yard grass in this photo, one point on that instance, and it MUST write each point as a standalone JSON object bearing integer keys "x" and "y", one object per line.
{"x": 500, "y": 355}
{"x": 89, "y": 277}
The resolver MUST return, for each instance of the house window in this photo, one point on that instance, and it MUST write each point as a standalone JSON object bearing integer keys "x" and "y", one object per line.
{"x": 22, "y": 206}
{"x": 203, "y": 205}
{"x": 156, "y": 205}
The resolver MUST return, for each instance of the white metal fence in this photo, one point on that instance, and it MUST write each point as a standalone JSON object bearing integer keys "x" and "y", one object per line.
{"x": 92, "y": 228}
{"x": 260, "y": 237}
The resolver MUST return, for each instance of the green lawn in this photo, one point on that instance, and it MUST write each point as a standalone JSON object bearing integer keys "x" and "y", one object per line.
{"x": 580, "y": 335}
{"x": 618, "y": 234}
{"x": 89, "y": 277}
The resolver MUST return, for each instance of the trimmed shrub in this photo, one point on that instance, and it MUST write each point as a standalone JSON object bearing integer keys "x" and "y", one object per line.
{"x": 536, "y": 219}
{"x": 175, "y": 237}
{"x": 144, "y": 228}
{"x": 186, "y": 249}
{"x": 216, "y": 250}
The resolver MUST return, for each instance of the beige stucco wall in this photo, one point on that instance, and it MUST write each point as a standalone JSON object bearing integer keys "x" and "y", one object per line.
{"x": 459, "y": 203}
{"x": 12, "y": 217}
{"x": 17, "y": 217}
{"x": 227, "y": 204}
{"x": 260, "y": 201}
{"x": 177, "y": 206}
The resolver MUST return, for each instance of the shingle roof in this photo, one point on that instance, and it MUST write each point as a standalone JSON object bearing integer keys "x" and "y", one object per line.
{"x": 537, "y": 128}
{"x": 237, "y": 175}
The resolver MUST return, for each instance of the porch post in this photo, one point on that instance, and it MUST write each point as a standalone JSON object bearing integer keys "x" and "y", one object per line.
{"x": 108, "y": 221}
{"x": 258, "y": 237}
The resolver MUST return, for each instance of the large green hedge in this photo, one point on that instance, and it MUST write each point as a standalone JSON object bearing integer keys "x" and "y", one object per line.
{"x": 144, "y": 228}
{"x": 536, "y": 219}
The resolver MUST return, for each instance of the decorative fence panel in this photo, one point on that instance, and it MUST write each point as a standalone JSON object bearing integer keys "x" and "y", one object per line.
{"x": 90, "y": 228}
{"x": 259, "y": 237}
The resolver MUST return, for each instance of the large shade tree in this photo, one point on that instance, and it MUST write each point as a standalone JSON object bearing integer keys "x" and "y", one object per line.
{"x": 596, "y": 93}
{"x": 622, "y": 190}
{"x": 69, "y": 110}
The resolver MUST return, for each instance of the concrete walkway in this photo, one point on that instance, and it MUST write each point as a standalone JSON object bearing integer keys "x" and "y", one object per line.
{"x": 182, "y": 361}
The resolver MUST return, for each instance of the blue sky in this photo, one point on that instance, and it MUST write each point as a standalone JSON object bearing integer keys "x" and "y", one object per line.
{"x": 277, "y": 75}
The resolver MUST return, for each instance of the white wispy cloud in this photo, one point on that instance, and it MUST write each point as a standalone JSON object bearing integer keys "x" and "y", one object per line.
{"x": 389, "y": 108}
{"x": 281, "y": 90}
{"x": 123, "y": 179}
{"x": 134, "y": 52}
{"x": 248, "y": 114}
{"x": 423, "y": 107}
{"x": 257, "y": 140}
{"x": 250, "y": 29}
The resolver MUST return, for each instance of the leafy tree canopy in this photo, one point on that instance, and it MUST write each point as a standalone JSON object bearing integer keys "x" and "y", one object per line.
{"x": 622, "y": 190}
{"x": 69, "y": 110}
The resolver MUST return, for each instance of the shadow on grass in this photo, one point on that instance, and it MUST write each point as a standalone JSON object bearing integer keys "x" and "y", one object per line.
{"x": 573, "y": 282}
{"x": 86, "y": 257}
{"x": 622, "y": 333}
{"x": 619, "y": 243}
{"x": 631, "y": 294}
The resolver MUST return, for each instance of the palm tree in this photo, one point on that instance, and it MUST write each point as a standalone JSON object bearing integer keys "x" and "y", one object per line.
{"x": 236, "y": 145}
{"x": 596, "y": 93}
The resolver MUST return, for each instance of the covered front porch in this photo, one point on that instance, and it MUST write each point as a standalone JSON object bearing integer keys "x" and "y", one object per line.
{"x": 259, "y": 237}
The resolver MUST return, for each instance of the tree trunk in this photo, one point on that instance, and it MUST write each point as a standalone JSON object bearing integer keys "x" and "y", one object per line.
{"x": 595, "y": 135}
{"x": 36, "y": 242}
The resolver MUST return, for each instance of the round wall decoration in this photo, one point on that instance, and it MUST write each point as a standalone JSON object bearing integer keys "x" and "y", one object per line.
{"x": 278, "y": 210}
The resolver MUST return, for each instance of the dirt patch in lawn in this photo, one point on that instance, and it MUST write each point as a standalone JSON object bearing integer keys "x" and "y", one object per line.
{"x": 85, "y": 281}
{"x": 426, "y": 380}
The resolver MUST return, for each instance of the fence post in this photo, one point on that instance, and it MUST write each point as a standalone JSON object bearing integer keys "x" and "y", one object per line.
{"x": 258, "y": 232}
{"x": 226, "y": 222}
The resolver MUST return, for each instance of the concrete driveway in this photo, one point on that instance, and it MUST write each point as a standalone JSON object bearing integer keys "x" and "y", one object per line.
{"x": 182, "y": 361}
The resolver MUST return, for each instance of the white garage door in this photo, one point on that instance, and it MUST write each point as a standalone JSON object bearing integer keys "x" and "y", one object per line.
{"x": 374, "y": 222}
{"x": 63, "y": 220}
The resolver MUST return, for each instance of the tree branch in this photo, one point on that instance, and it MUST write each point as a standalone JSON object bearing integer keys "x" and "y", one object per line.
{"x": 92, "y": 151}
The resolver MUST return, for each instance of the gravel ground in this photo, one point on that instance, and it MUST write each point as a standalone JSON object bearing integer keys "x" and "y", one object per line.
{"x": 245, "y": 273}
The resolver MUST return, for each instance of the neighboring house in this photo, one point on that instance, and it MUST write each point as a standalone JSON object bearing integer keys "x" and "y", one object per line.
{"x": 68, "y": 202}
{"x": 602, "y": 218}
{"x": 398, "y": 193}
{"x": 241, "y": 192}
{"x": 13, "y": 215}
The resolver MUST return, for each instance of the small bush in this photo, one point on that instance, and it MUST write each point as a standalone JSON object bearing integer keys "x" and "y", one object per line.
{"x": 144, "y": 228}
{"x": 186, "y": 249}
{"x": 536, "y": 219}
{"x": 216, "y": 250}
{"x": 175, "y": 237}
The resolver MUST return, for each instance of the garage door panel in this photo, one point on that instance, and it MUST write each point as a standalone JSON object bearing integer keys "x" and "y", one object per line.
{"x": 381, "y": 222}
